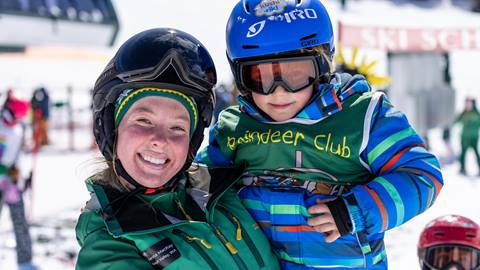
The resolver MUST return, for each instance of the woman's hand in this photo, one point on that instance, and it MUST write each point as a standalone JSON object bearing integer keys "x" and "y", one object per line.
{"x": 323, "y": 221}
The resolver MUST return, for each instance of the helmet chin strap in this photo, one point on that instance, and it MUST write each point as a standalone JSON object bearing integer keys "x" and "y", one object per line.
{"x": 123, "y": 173}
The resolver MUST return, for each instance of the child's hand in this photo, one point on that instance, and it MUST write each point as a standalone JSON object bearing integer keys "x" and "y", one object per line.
{"x": 323, "y": 221}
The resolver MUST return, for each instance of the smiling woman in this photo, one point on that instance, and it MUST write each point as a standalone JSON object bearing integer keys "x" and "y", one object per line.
{"x": 153, "y": 140}
{"x": 147, "y": 211}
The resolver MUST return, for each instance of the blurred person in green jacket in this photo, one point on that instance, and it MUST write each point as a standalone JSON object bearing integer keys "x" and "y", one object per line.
{"x": 148, "y": 210}
{"x": 470, "y": 120}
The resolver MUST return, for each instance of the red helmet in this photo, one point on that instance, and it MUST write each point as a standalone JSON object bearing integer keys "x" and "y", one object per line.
{"x": 14, "y": 109}
{"x": 450, "y": 240}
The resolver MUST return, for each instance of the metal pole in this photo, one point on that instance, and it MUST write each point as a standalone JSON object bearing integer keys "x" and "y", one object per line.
{"x": 71, "y": 127}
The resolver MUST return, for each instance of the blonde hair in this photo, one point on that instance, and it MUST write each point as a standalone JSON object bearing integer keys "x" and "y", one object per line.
{"x": 321, "y": 50}
{"x": 108, "y": 176}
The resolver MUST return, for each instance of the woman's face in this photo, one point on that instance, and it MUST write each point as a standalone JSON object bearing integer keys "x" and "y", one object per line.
{"x": 153, "y": 140}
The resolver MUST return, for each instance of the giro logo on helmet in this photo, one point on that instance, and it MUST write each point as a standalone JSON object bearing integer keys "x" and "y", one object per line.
{"x": 288, "y": 17}
{"x": 255, "y": 29}
{"x": 295, "y": 14}
{"x": 270, "y": 7}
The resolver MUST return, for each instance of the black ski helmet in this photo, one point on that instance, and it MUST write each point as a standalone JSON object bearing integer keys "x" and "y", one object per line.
{"x": 162, "y": 58}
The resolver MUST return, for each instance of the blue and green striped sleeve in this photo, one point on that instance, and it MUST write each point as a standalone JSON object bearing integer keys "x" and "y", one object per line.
{"x": 407, "y": 177}
{"x": 212, "y": 155}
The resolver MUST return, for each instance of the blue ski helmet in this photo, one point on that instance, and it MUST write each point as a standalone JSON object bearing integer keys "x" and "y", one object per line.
{"x": 258, "y": 29}
{"x": 264, "y": 27}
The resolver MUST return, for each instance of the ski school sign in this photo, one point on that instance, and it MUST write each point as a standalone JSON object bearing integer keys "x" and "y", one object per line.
{"x": 398, "y": 39}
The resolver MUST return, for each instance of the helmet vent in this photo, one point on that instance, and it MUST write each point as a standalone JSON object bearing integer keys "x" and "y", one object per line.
{"x": 309, "y": 36}
{"x": 439, "y": 234}
{"x": 250, "y": 46}
{"x": 246, "y": 6}
{"x": 470, "y": 235}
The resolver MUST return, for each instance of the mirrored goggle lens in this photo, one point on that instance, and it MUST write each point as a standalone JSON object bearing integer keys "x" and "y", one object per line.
{"x": 263, "y": 77}
{"x": 443, "y": 257}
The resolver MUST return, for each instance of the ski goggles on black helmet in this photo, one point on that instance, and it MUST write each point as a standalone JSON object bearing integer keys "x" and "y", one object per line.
{"x": 446, "y": 257}
{"x": 171, "y": 71}
{"x": 199, "y": 78}
{"x": 293, "y": 73}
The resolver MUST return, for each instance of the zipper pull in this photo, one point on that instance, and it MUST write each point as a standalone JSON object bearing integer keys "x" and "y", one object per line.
{"x": 202, "y": 241}
{"x": 229, "y": 245}
{"x": 180, "y": 206}
{"x": 231, "y": 248}
{"x": 205, "y": 243}
{"x": 239, "y": 228}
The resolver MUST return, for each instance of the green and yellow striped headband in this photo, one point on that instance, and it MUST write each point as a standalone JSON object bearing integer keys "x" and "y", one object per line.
{"x": 129, "y": 96}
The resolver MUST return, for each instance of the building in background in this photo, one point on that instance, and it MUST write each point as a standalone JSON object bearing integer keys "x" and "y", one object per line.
{"x": 416, "y": 39}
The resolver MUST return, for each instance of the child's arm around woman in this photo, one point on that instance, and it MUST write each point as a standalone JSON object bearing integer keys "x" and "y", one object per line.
{"x": 407, "y": 177}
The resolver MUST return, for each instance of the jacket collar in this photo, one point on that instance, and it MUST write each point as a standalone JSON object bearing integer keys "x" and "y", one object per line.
{"x": 125, "y": 212}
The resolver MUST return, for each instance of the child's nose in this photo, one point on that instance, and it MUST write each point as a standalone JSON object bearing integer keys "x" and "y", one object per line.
{"x": 279, "y": 90}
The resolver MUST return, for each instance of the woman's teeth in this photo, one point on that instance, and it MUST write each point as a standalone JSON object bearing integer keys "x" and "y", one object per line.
{"x": 156, "y": 161}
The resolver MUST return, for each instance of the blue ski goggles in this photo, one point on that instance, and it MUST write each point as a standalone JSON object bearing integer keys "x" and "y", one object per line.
{"x": 292, "y": 73}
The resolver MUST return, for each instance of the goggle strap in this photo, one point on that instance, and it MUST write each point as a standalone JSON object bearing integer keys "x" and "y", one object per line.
{"x": 108, "y": 75}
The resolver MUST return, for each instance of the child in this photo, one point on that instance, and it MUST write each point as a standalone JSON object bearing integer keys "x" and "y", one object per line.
{"x": 151, "y": 105}
{"x": 470, "y": 120}
{"x": 11, "y": 142}
{"x": 329, "y": 165}
{"x": 450, "y": 242}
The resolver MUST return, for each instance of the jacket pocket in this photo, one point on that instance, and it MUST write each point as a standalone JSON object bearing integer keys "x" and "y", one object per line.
{"x": 242, "y": 234}
{"x": 199, "y": 245}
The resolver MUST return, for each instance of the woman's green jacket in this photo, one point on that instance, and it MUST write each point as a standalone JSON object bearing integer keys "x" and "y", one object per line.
{"x": 201, "y": 224}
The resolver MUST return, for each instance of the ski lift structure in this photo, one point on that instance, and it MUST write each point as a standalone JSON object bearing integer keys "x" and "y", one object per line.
{"x": 25, "y": 23}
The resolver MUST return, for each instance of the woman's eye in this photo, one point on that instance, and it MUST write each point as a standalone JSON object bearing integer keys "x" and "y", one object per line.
{"x": 143, "y": 121}
{"x": 179, "y": 129}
